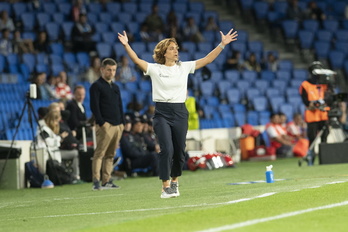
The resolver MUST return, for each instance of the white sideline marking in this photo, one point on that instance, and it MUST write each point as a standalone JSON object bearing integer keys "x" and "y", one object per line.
{"x": 280, "y": 216}
{"x": 153, "y": 209}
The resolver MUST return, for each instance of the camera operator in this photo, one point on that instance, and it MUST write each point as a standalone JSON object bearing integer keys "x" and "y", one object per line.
{"x": 313, "y": 94}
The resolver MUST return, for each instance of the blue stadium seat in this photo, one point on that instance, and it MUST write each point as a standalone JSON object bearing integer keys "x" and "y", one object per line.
{"x": 324, "y": 35}
{"x": 180, "y": 7}
{"x": 57, "y": 48}
{"x": 291, "y": 92}
{"x": 18, "y": 8}
{"x": 322, "y": 49}
{"x": 290, "y": 29}
{"x": 310, "y": 25}
{"x": 267, "y": 75}
{"x": 222, "y": 87}
{"x": 130, "y": 7}
{"x": 283, "y": 75}
{"x": 212, "y": 101}
{"x": 262, "y": 85}
{"x": 232, "y": 75}
{"x": 58, "y": 18}
{"x": 226, "y": 26}
{"x": 243, "y": 36}
{"x": 109, "y": 37}
{"x": 29, "y": 60}
{"x": 341, "y": 35}
{"x": 42, "y": 18}
{"x": 207, "y": 88}
{"x": 124, "y": 18}
{"x": 190, "y": 46}
{"x": 216, "y": 76}
{"x": 204, "y": 47}
{"x": 145, "y": 86}
{"x": 56, "y": 69}
{"x": 260, "y": 103}
{"x": 243, "y": 86}
{"x": 28, "y": 21}
{"x": 260, "y": 10}
{"x": 64, "y": 8}
{"x": 296, "y": 102}
{"x": 104, "y": 50}
{"x": 300, "y": 74}
{"x": 295, "y": 83}
{"x": 2, "y": 63}
{"x": 342, "y": 46}
{"x": 105, "y": 17}
{"x": 288, "y": 110}
{"x": 239, "y": 46}
{"x": 70, "y": 61}
{"x": 209, "y": 36}
{"x": 133, "y": 27}
{"x": 66, "y": 28}
{"x": 55, "y": 59}
{"x": 336, "y": 59}
{"x": 252, "y": 93}
{"x": 280, "y": 84}
{"x": 49, "y": 7}
{"x": 113, "y": 8}
{"x": 240, "y": 118}
{"x": 246, "y": 4}
{"x": 117, "y": 27}
{"x": 83, "y": 59}
{"x": 330, "y": 24}
{"x": 252, "y": 118}
{"x": 250, "y": 76}
{"x": 101, "y": 27}
{"x": 196, "y": 6}
{"x": 255, "y": 46}
{"x": 285, "y": 65}
{"x": 306, "y": 39}
{"x": 94, "y": 7}
{"x": 53, "y": 31}
{"x": 280, "y": 7}
{"x": 275, "y": 103}
{"x": 233, "y": 96}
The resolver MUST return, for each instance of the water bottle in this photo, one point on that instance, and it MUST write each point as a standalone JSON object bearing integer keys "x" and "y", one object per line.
{"x": 269, "y": 174}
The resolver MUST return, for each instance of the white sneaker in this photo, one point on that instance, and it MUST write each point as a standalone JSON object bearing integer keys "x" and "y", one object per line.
{"x": 175, "y": 187}
{"x": 168, "y": 193}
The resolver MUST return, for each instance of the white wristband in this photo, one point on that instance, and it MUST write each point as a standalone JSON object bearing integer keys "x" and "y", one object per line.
{"x": 221, "y": 46}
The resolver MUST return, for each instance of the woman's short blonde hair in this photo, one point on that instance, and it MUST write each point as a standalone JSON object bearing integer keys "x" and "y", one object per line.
{"x": 161, "y": 48}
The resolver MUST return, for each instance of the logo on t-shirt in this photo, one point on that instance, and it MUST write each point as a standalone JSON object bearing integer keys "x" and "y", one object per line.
{"x": 162, "y": 75}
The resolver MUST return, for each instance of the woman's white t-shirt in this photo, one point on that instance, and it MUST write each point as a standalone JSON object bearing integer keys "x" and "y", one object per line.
{"x": 169, "y": 83}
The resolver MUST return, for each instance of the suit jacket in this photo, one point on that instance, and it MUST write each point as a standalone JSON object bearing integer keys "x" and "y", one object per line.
{"x": 77, "y": 117}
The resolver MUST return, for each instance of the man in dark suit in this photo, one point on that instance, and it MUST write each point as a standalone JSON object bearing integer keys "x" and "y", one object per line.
{"x": 77, "y": 110}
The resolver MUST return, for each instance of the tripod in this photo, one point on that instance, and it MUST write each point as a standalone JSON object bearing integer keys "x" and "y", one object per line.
{"x": 30, "y": 111}
{"x": 335, "y": 129}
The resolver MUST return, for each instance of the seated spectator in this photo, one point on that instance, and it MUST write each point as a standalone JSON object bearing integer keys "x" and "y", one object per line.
{"x": 125, "y": 73}
{"x": 234, "y": 62}
{"x": 78, "y": 117}
{"x": 20, "y": 45}
{"x": 191, "y": 31}
{"x": 6, "y": 22}
{"x": 6, "y": 45}
{"x": 43, "y": 90}
{"x": 68, "y": 143}
{"x": 271, "y": 63}
{"x": 63, "y": 90}
{"x": 149, "y": 135}
{"x": 155, "y": 24}
{"x": 144, "y": 35}
{"x": 41, "y": 44}
{"x": 279, "y": 139}
{"x": 211, "y": 25}
{"x": 134, "y": 150}
{"x": 78, "y": 9}
{"x": 294, "y": 12}
{"x": 81, "y": 35}
{"x": 252, "y": 64}
{"x": 282, "y": 120}
{"x": 297, "y": 128}
{"x": 314, "y": 12}
{"x": 93, "y": 72}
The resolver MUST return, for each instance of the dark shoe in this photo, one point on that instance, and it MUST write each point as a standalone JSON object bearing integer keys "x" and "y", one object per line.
{"x": 110, "y": 185}
{"x": 96, "y": 185}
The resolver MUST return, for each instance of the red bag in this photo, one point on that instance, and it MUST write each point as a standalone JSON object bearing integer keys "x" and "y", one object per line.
{"x": 301, "y": 148}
